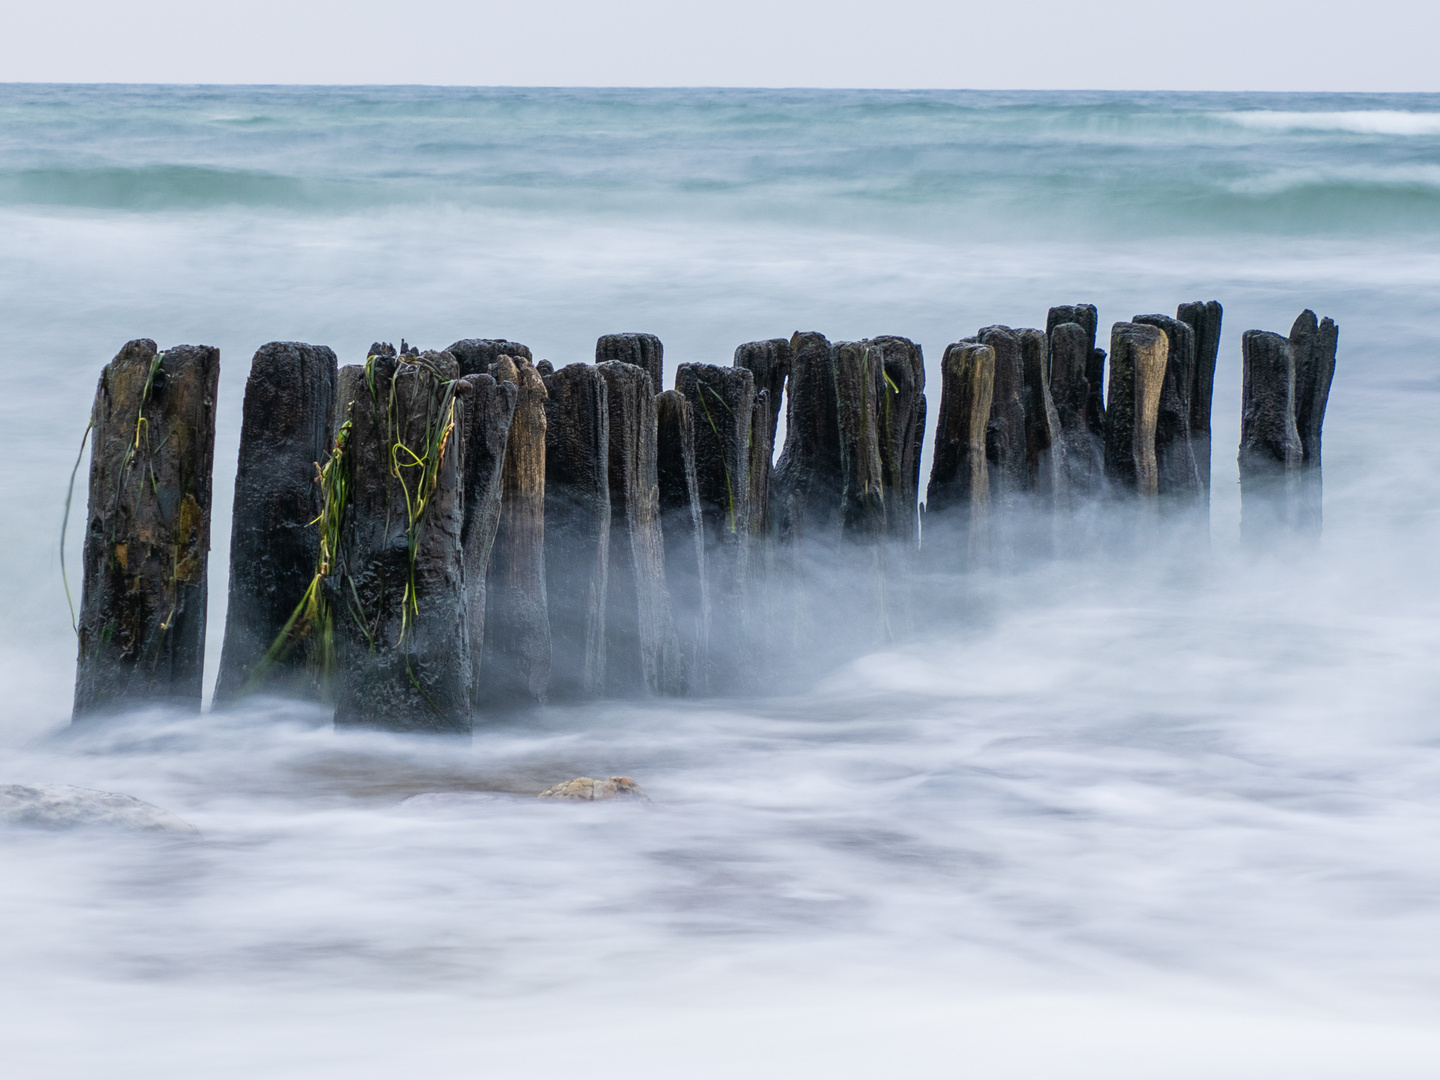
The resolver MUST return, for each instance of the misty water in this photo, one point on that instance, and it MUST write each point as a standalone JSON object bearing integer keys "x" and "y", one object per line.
{"x": 1158, "y": 807}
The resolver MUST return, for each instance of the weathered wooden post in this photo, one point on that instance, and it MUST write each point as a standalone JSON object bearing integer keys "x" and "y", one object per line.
{"x": 147, "y": 537}
{"x": 902, "y": 435}
{"x": 859, "y": 397}
{"x": 516, "y": 666}
{"x": 1005, "y": 439}
{"x": 1286, "y": 383}
{"x": 1044, "y": 449}
{"x": 769, "y": 363}
{"x": 476, "y": 356}
{"x": 643, "y": 350}
{"x": 957, "y": 500}
{"x": 642, "y": 650}
{"x": 1088, "y": 319}
{"x": 807, "y": 483}
{"x": 1070, "y": 352}
{"x": 683, "y": 531}
{"x": 577, "y": 529}
{"x": 723, "y": 399}
{"x": 401, "y": 624}
{"x": 274, "y": 541}
{"x": 1177, "y": 471}
{"x": 1137, "y": 374}
{"x": 1204, "y": 320}
{"x": 349, "y": 381}
{"x": 489, "y": 408}
{"x": 1313, "y": 344}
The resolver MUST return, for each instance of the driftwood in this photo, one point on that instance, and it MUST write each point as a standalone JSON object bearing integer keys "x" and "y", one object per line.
{"x": 1137, "y": 375}
{"x": 643, "y": 350}
{"x": 516, "y": 665}
{"x": 400, "y": 601}
{"x": 274, "y": 542}
{"x": 642, "y": 651}
{"x": 683, "y": 532}
{"x": 147, "y": 538}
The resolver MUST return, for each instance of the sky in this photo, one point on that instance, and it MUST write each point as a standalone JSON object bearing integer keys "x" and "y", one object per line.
{"x": 1376, "y": 45}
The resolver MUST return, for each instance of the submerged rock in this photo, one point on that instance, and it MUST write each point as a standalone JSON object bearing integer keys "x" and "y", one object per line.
{"x": 63, "y": 806}
{"x": 584, "y": 789}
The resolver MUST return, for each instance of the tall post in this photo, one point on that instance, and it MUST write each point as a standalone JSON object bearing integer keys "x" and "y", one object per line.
{"x": 642, "y": 651}
{"x": 1137, "y": 375}
{"x": 516, "y": 666}
{"x": 723, "y": 400}
{"x": 401, "y": 618}
{"x": 1070, "y": 351}
{"x": 577, "y": 529}
{"x": 683, "y": 531}
{"x": 147, "y": 536}
{"x": 489, "y": 408}
{"x": 1178, "y": 471}
{"x": 901, "y": 420}
{"x": 1005, "y": 439}
{"x": 1044, "y": 449}
{"x": 807, "y": 484}
{"x": 1313, "y": 344}
{"x": 643, "y": 350}
{"x": 1204, "y": 319}
{"x": 957, "y": 500}
{"x": 1088, "y": 319}
{"x": 274, "y": 540}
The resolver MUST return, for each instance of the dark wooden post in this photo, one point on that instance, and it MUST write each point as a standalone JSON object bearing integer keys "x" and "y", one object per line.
{"x": 1087, "y": 318}
{"x": 642, "y": 651}
{"x": 147, "y": 537}
{"x": 274, "y": 540}
{"x": 1204, "y": 320}
{"x": 1070, "y": 352}
{"x": 476, "y": 356}
{"x": 516, "y": 667}
{"x": 401, "y": 626}
{"x": 1137, "y": 374}
{"x": 577, "y": 529}
{"x": 683, "y": 531}
{"x": 1313, "y": 345}
{"x": 957, "y": 501}
{"x": 1005, "y": 440}
{"x": 723, "y": 400}
{"x": 1178, "y": 474}
{"x": 1044, "y": 449}
{"x": 489, "y": 408}
{"x": 902, "y": 435}
{"x": 807, "y": 484}
{"x": 643, "y": 350}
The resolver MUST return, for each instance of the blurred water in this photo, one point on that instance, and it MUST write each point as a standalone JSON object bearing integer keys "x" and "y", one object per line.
{"x": 1159, "y": 813}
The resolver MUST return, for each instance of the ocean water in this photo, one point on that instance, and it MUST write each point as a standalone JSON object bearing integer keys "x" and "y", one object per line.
{"x": 1170, "y": 810}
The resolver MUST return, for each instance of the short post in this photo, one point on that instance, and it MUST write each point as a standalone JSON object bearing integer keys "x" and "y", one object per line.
{"x": 643, "y": 350}
{"x": 642, "y": 650}
{"x": 274, "y": 540}
{"x": 577, "y": 529}
{"x": 476, "y": 356}
{"x": 683, "y": 531}
{"x": 147, "y": 537}
{"x": 1137, "y": 375}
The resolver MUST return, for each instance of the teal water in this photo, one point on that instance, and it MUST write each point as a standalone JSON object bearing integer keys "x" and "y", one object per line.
{"x": 1162, "y": 814}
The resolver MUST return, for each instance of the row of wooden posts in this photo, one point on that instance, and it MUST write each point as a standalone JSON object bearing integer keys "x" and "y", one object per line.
{"x": 429, "y": 535}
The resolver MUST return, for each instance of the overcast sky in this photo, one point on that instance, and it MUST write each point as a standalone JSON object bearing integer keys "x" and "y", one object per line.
{"x": 1043, "y": 44}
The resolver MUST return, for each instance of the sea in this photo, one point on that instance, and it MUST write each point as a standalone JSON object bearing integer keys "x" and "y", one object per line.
{"x": 1164, "y": 810}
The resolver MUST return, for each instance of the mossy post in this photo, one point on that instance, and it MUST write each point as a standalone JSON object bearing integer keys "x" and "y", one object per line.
{"x": 1204, "y": 319}
{"x": 147, "y": 537}
{"x": 274, "y": 542}
{"x": 577, "y": 529}
{"x": 642, "y": 650}
{"x": 957, "y": 500}
{"x": 1177, "y": 470}
{"x": 349, "y": 381}
{"x": 476, "y": 356}
{"x": 489, "y": 407}
{"x": 1313, "y": 343}
{"x": 901, "y": 421}
{"x": 723, "y": 399}
{"x": 1070, "y": 352}
{"x": 683, "y": 532}
{"x": 1137, "y": 375}
{"x": 400, "y": 599}
{"x": 643, "y": 350}
{"x": 516, "y": 665}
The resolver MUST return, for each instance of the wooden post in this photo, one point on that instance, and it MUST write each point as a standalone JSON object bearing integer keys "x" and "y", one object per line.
{"x": 683, "y": 531}
{"x": 1204, "y": 320}
{"x": 516, "y": 666}
{"x": 1070, "y": 352}
{"x": 723, "y": 400}
{"x": 489, "y": 408}
{"x": 901, "y": 420}
{"x": 577, "y": 529}
{"x": 1044, "y": 449}
{"x": 1313, "y": 344}
{"x": 400, "y": 601}
{"x": 1087, "y": 318}
{"x": 1137, "y": 374}
{"x": 807, "y": 484}
{"x": 957, "y": 500}
{"x": 1177, "y": 470}
{"x": 643, "y": 350}
{"x": 642, "y": 651}
{"x": 1005, "y": 439}
{"x": 274, "y": 541}
{"x": 147, "y": 537}
{"x": 859, "y": 397}
{"x": 476, "y": 356}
